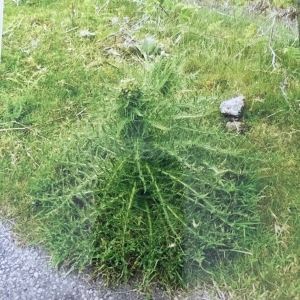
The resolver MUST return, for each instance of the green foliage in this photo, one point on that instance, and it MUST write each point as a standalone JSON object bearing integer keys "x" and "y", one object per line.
{"x": 114, "y": 154}
{"x": 292, "y": 55}
{"x": 133, "y": 203}
{"x": 159, "y": 206}
{"x": 37, "y": 2}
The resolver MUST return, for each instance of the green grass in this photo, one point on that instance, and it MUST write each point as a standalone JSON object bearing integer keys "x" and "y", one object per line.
{"x": 114, "y": 153}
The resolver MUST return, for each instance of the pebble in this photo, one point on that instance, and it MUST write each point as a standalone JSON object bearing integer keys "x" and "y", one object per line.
{"x": 233, "y": 107}
{"x": 236, "y": 126}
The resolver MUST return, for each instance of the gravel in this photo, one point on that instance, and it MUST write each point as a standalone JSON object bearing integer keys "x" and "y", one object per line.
{"x": 26, "y": 274}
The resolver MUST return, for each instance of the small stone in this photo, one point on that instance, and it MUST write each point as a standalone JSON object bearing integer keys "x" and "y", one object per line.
{"x": 233, "y": 107}
{"x": 235, "y": 126}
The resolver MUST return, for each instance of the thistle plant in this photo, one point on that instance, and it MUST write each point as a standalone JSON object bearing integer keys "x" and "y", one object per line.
{"x": 146, "y": 195}
{"x": 139, "y": 196}
{"x": 164, "y": 199}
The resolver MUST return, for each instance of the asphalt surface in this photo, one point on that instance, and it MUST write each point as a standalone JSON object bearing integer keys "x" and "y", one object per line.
{"x": 26, "y": 274}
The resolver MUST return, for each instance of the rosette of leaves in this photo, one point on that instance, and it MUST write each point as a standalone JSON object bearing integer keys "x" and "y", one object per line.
{"x": 139, "y": 207}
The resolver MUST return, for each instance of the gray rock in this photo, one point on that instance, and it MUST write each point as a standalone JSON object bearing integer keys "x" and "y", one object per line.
{"x": 233, "y": 107}
{"x": 236, "y": 126}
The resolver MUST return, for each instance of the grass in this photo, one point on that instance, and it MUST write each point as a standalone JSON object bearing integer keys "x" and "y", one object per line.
{"x": 114, "y": 154}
